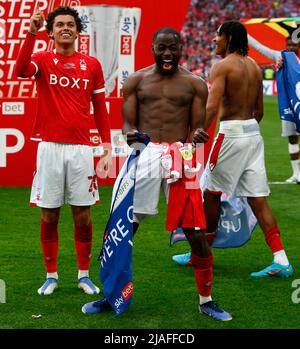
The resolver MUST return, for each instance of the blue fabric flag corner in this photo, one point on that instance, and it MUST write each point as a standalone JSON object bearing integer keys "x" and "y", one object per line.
{"x": 288, "y": 88}
{"x": 235, "y": 227}
{"x": 116, "y": 254}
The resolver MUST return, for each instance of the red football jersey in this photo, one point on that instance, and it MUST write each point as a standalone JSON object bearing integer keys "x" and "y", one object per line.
{"x": 64, "y": 86}
{"x": 185, "y": 207}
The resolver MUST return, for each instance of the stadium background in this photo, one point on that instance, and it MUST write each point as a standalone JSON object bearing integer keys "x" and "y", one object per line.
{"x": 197, "y": 20}
{"x": 158, "y": 281}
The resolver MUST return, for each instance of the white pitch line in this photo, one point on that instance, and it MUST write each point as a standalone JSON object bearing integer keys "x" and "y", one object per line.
{"x": 281, "y": 183}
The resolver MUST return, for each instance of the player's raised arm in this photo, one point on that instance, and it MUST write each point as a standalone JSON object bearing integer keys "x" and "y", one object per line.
{"x": 198, "y": 113}
{"x": 217, "y": 79}
{"x": 36, "y": 20}
{"x": 24, "y": 67}
{"x": 264, "y": 50}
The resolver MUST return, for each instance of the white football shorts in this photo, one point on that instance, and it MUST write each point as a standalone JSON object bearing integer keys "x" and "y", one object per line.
{"x": 64, "y": 173}
{"x": 288, "y": 128}
{"x": 236, "y": 164}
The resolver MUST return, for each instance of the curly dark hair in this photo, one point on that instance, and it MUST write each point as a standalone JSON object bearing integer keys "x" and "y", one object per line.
{"x": 168, "y": 30}
{"x": 63, "y": 10}
{"x": 236, "y": 33}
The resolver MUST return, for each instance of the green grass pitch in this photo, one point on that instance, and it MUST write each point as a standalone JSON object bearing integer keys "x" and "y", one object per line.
{"x": 165, "y": 294}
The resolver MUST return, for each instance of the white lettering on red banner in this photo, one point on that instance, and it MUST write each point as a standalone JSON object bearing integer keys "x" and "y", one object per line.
{"x": 8, "y": 149}
{"x": 127, "y": 291}
{"x": 126, "y": 44}
{"x": 84, "y": 44}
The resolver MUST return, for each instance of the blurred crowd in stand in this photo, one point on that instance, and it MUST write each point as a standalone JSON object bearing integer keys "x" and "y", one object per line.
{"x": 205, "y": 16}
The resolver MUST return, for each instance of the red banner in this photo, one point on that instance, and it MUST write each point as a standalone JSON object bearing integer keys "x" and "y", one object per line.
{"x": 18, "y": 151}
{"x": 17, "y": 156}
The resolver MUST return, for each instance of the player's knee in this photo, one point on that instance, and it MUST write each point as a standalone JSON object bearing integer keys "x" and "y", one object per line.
{"x": 199, "y": 235}
{"x": 82, "y": 221}
{"x": 203, "y": 263}
{"x": 138, "y": 217}
{"x": 293, "y": 139}
{"x": 196, "y": 239}
{"x": 210, "y": 237}
{"x": 83, "y": 233}
{"x": 212, "y": 196}
{"x": 50, "y": 215}
{"x": 81, "y": 216}
{"x": 260, "y": 206}
{"x": 254, "y": 202}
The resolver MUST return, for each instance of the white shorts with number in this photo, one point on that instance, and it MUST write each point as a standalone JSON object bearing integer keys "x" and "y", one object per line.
{"x": 64, "y": 173}
{"x": 288, "y": 128}
{"x": 236, "y": 164}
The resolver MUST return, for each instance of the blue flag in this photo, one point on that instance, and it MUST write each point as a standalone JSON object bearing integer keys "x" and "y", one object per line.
{"x": 116, "y": 255}
{"x": 235, "y": 226}
{"x": 288, "y": 88}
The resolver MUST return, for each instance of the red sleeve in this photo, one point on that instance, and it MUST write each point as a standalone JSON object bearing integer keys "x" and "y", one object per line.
{"x": 101, "y": 117}
{"x": 98, "y": 99}
{"x": 98, "y": 77}
{"x": 24, "y": 67}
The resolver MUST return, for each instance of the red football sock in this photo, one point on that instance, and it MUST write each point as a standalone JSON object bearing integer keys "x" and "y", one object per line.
{"x": 83, "y": 245}
{"x": 273, "y": 239}
{"x": 49, "y": 240}
{"x": 203, "y": 270}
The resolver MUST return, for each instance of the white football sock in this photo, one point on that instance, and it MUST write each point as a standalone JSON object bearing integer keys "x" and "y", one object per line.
{"x": 83, "y": 274}
{"x": 295, "y": 167}
{"x": 280, "y": 257}
{"x": 204, "y": 299}
{"x": 52, "y": 275}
